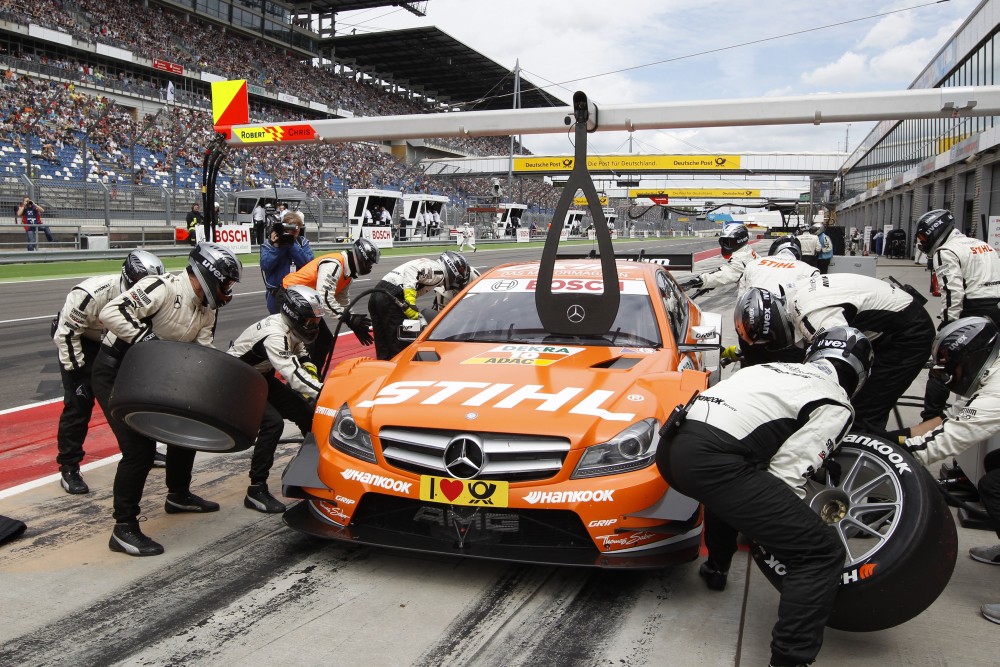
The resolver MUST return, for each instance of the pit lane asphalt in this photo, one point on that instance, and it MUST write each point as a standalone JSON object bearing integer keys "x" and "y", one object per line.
{"x": 237, "y": 587}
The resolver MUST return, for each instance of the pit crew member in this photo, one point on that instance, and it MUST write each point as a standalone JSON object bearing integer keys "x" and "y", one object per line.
{"x": 77, "y": 335}
{"x": 395, "y": 296}
{"x": 175, "y": 306}
{"x": 966, "y": 361}
{"x": 900, "y": 330}
{"x": 734, "y": 242}
{"x": 782, "y": 268}
{"x": 331, "y": 275}
{"x": 284, "y": 250}
{"x": 276, "y": 346}
{"x": 745, "y": 450}
{"x": 809, "y": 243}
{"x": 969, "y": 273}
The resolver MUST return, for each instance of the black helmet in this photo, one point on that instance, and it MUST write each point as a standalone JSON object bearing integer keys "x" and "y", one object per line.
{"x": 933, "y": 228}
{"x": 789, "y": 243}
{"x": 217, "y": 270}
{"x": 848, "y": 350}
{"x": 963, "y": 352}
{"x": 363, "y": 256}
{"x": 457, "y": 271}
{"x": 302, "y": 310}
{"x": 733, "y": 238}
{"x": 761, "y": 319}
{"x": 137, "y": 265}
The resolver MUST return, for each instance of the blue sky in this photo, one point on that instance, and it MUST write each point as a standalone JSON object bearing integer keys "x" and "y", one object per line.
{"x": 558, "y": 40}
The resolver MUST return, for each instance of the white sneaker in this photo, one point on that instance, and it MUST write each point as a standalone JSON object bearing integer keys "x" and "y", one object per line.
{"x": 989, "y": 555}
{"x": 991, "y": 612}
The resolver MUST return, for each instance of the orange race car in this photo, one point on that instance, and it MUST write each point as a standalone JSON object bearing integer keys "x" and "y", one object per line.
{"x": 492, "y": 437}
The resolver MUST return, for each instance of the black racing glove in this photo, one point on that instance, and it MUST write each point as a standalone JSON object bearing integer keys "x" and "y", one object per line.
{"x": 359, "y": 324}
{"x": 695, "y": 283}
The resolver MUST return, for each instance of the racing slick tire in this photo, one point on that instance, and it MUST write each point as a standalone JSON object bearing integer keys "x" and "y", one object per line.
{"x": 898, "y": 531}
{"x": 190, "y": 396}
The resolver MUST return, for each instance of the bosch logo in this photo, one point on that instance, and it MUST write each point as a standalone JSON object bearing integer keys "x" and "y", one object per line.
{"x": 576, "y": 314}
{"x": 464, "y": 457}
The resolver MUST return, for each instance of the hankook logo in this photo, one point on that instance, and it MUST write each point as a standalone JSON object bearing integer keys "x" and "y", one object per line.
{"x": 464, "y": 457}
{"x": 576, "y": 313}
{"x": 503, "y": 285}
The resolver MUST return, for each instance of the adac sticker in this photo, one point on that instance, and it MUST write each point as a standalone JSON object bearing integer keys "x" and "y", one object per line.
{"x": 524, "y": 355}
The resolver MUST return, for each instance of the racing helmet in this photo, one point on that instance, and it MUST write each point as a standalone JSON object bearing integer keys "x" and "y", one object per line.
{"x": 787, "y": 243}
{"x": 457, "y": 271}
{"x": 963, "y": 353}
{"x": 137, "y": 265}
{"x": 848, "y": 350}
{"x": 761, "y": 319}
{"x": 817, "y": 228}
{"x": 933, "y": 227}
{"x": 733, "y": 238}
{"x": 302, "y": 310}
{"x": 363, "y": 256}
{"x": 217, "y": 269}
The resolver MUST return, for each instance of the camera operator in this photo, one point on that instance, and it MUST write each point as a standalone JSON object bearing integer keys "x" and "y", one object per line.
{"x": 30, "y": 215}
{"x": 284, "y": 250}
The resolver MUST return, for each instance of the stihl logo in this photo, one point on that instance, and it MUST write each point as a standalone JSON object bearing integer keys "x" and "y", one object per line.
{"x": 981, "y": 250}
{"x": 777, "y": 265}
{"x": 479, "y": 394}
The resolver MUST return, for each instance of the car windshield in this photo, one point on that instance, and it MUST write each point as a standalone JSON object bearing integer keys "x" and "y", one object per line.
{"x": 510, "y": 316}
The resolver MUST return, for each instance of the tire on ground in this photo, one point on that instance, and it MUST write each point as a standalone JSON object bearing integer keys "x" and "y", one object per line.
{"x": 890, "y": 578}
{"x": 189, "y": 395}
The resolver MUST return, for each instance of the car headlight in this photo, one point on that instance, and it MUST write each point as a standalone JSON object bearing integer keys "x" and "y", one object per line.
{"x": 632, "y": 449}
{"x": 346, "y": 436}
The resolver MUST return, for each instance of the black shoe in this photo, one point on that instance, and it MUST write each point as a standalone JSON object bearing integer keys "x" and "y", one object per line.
{"x": 126, "y": 538}
{"x": 71, "y": 481}
{"x": 714, "y": 578}
{"x": 188, "y": 502}
{"x": 260, "y": 499}
{"x": 159, "y": 460}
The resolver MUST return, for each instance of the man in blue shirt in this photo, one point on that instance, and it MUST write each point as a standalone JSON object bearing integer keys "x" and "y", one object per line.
{"x": 284, "y": 251}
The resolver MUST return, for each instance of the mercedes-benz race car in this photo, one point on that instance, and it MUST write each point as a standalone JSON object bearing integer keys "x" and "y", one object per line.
{"x": 490, "y": 436}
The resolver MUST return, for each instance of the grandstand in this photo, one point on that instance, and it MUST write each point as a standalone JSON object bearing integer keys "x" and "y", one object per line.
{"x": 104, "y": 107}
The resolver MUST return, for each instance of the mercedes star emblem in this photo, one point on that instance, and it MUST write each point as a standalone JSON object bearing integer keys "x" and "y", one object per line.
{"x": 464, "y": 457}
{"x": 576, "y": 313}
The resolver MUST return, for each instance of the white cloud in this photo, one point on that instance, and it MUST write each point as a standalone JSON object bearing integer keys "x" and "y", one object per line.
{"x": 889, "y": 31}
{"x": 846, "y": 70}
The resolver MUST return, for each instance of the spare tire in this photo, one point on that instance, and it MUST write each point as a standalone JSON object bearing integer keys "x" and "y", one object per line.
{"x": 190, "y": 396}
{"x": 896, "y": 527}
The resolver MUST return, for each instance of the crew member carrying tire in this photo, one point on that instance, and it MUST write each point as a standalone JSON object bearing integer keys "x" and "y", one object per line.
{"x": 175, "y": 306}
{"x": 734, "y": 242}
{"x": 331, "y": 276}
{"x": 896, "y": 323}
{"x": 77, "y": 335}
{"x": 966, "y": 361}
{"x": 276, "y": 346}
{"x": 968, "y": 271}
{"x": 745, "y": 450}
{"x": 781, "y": 269}
{"x": 395, "y": 296}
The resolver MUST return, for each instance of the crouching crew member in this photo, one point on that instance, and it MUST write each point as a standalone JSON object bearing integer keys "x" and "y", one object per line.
{"x": 734, "y": 242}
{"x": 395, "y": 296}
{"x": 175, "y": 306}
{"x": 897, "y": 325}
{"x": 966, "y": 362}
{"x": 745, "y": 450}
{"x": 77, "y": 336}
{"x": 276, "y": 346}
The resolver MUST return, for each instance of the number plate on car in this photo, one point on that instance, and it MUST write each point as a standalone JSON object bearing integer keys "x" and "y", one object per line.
{"x": 474, "y": 492}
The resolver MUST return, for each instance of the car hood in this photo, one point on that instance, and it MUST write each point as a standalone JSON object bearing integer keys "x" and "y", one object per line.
{"x": 576, "y": 392}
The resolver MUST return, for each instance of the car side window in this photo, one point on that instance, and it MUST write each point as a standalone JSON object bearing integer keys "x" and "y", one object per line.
{"x": 675, "y": 303}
